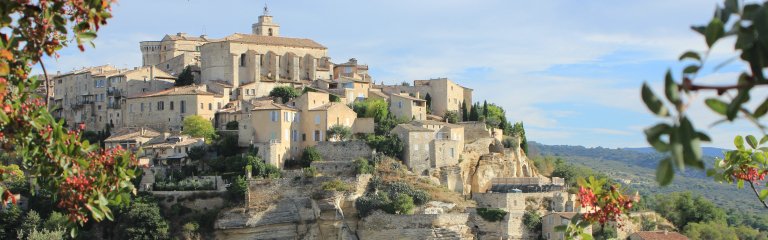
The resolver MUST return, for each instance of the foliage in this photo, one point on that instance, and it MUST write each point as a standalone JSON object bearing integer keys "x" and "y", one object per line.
{"x": 185, "y": 77}
{"x": 197, "y": 126}
{"x": 384, "y": 126}
{"x": 744, "y": 166}
{"x": 519, "y": 130}
{"x": 310, "y": 155}
{"x": 492, "y": 214}
{"x": 339, "y": 132}
{"x": 190, "y": 230}
{"x": 285, "y": 93}
{"x": 464, "y": 112}
{"x": 197, "y": 152}
{"x": 401, "y": 204}
{"x": 58, "y": 158}
{"x": 684, "y": 208}
{"x": 238, "y": 188}
{"x": 43, "y": 234}
{"x": 710, "y": 230}
{"x": 428, "y": 99}
{"x": 227, "y": 145}
{"x": 451, "y": 116}
{"x": 309, "y": 171}
{"x": 532, "y": 221}
{"x": 378, "y": 109}
{"x": 676, "y": 135}
{"x": 337, "y": 185}
{"x": 394, "y": 188}
{"x": 14, "y": 179}
{"x": 389, "y": 145}
{"x": 233, "y": 125}
{"x": 367, "y": 204}
{"x": 186, "y": 184}
{"x": 363, "y": 166}
{"x": 602, "y": 201}
{"x": 142, "y": 220}
{"x": 10, "y": 220}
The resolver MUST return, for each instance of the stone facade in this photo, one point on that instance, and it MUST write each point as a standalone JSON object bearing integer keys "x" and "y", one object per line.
{"x": 417, "y": 226}
{"x": 346, "y": 151}
{"x": 406, "y": 107}
{"x": 166, "y": 110}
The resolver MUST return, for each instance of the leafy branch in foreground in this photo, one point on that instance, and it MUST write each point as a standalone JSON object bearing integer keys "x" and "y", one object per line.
{"x": 677, "y": 136}
{"x": 85, "y": 180}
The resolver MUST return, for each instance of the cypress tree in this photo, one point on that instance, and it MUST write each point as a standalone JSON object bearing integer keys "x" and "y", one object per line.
{"x": 485, "y": 109}
{"x": 464, "y": 113}
{"x": 473, "y": 114}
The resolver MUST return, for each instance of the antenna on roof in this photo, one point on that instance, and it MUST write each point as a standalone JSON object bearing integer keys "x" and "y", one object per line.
{"x": 266, "y": 9}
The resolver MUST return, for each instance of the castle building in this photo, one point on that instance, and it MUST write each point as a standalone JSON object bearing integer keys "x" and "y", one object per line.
{"x": 166, "y": 110}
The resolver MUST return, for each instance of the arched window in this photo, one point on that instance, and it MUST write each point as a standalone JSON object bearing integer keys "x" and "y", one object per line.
{"x": 270, "y": 31}
{"x": 242, "y": 60}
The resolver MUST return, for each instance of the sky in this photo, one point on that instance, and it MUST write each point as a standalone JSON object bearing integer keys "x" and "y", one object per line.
{"x": 571, "y": 71}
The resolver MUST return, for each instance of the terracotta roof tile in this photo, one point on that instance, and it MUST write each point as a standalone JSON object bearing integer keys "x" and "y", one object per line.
{"x": 185, "y": 90}
{"x": 658, "y": 235}
{"x": 277, "y": 41}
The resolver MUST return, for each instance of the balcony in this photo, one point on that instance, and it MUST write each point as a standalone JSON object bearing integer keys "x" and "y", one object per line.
{"x": 113, "y": 105}
{"x": 117, "y": 93}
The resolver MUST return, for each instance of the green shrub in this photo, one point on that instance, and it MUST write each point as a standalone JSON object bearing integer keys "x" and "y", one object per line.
{"x": 309, "y": 171}
{"x": 389, "y": 145}
{"x": 337, "y": 185}
{"x": 491, "y": 214}
{"x": 367, "y": 204}
{"x": 395, "y": 188}
{"x": 532, "y": 221}
{"x": 362, "y": 166}
{"x": 232, "y": 125}
{"x": 402, "y": 204}
{"x": 310, "y": 155}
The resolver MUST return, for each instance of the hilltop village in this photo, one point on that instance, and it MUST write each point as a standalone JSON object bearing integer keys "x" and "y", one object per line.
{"x": 309, "y": 148}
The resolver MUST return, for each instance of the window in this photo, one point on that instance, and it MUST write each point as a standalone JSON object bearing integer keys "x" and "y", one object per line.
{"x": 242, "y": 59}
{"x": 218, "y": 105}
{"x": 316, "y": 136}
{"x": 274, "y": 115}
{"x": 201, "y": 106}
{"x": 317, "y": 119}
{"x": 452, "y": 154}
{"x": 272, "y": 136}
{"x": 295, "y": 135}
{"x": 183, "y": 106}
{"x": 160, "y": 106}
{"x": 304, "y": 137}
{"x": 400, "y": 104}
{"x": 210, "y": 106}
{"x": 270, "y": 31}
{"x": 285, "y": 116}
{"x": 171, "y": 103}
{"x": 142, "y": 107}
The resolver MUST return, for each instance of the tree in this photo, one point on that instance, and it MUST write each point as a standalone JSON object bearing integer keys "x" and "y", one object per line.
{"x": 473, "y": 114}
{"x": 451, "y": 116}
{"x": 310, "y": 155}
{"x": 339, "y": 132}
{"x": 233, "y": 125}
{"x": 679, "y": 138}
{"x": 227, "y": 145}
{"x": 402, "y": 204}
{"x": 197, "y": 152}
{"x": 428, "y": 99}
{"x": 518, "y": 130}
{"x": 285, "y": 93}
{"x": 464, "y": 113}
{"x": 377, "y": 109}
{"x": 197, "y": 126}
{"x": 142, "y": 221}
{"x": 185, "y": 77}
{"x": 532, "y": 221}
{"x": 485, "y": 109}
{"x": 389, "y": 144}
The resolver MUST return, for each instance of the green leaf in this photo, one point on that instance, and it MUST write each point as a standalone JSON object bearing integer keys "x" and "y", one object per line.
{"x": 763, "y": 194}
{"x": 717, "y": 105}
{"x": 704, "y": 137}
{"x": 652, "y": 102}
{"x": 586, "y": 236}
{"x": 711, "y": 172}
{"x": 654, "y": 133}
{"x": 561, "y": 228}
{"x": 714, "y": 31}
{"x": 732, "y": 6}
{"x": 738, "y": 141}
{"x": 735, "y": 106}
{"x": 752, "y": 141}
{"x": 690, "y": 55}
{"x": 665, "y": 172}
{"x": 764, "y": 139}
{"x": 86, "y": 36}
{"x": 740, "y": 184}
{"x": 671, "y": 89}
{"x": 691, "y": 69}
{"x": 676, "y": 147}
{"x": 761, "y": 110}
{"x": 691, "y": 144}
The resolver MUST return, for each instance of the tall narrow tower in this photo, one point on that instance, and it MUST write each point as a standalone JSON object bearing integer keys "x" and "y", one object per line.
{"x": 265, "y": 26}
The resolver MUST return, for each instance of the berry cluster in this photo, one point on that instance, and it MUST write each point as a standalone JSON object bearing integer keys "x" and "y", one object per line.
{"x": 750, "y": 174}
{"x": 605, "y": 207}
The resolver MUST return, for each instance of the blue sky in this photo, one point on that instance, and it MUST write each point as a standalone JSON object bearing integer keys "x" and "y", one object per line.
{"x": 570, "y": 70}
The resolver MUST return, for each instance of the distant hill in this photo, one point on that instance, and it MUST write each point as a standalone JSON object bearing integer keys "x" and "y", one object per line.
{"x": 708, "y": 151}
{"x": 637, "y": 166}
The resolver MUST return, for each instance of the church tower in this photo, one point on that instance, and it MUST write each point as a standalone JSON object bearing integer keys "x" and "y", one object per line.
{"x": 265, "y": 26}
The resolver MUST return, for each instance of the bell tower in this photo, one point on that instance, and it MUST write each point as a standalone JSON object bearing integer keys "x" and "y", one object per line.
{"x": 265, "y": 26}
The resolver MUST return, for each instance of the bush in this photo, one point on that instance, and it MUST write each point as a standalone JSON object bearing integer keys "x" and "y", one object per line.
{"x": 402, "y": 204}
{"x": 367, "y": 204}
{"x": 310, "y": 155}
{"x": 237, "y": 189}
{"x": 389, "y": 145}
{"x": 532, "y": 221}
{"x": 285, "y": 93}
{"x": 339, "y": 132}
{"x": 337, "y": 185}
{"x": 309, "y": 171}
{"x": 197, "y": 126}
{"x": 362, "y": 166}
{"x": 419, "y": 196}
{"x": 227, "y": 145}
{"x": 451, "y": 116}
{"x": 491, "y": 214}
{"x": 233, "y": 125}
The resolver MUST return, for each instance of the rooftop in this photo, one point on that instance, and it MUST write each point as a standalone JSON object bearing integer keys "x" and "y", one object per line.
{"x": 658, "y": 235}
{"x": 276, "y": 41}
{"x": 183, "y": 90}
{"x": 412, "y": 128}
{"x": 132, "y": 134}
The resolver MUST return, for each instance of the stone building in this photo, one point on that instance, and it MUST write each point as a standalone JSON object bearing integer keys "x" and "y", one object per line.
{"x": 173, "y": 53}
{"x": 550, "y": 221}
{"x": 657, "y": 235}
{"x": 130, "y": 83}
{"x": 430, "y": 144}
{"x": 171, "y": 149}
{"x": 167, "y": 109}
{"x": 80, "y": 94}
{"x": 416, "y": 145}
{"x": 446, "y": 95}
{"x": 404, "y": 106}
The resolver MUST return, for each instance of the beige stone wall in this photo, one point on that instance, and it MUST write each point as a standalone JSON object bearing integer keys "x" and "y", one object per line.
{"x": 176, "y": 65}
{"x": 405, "y": 108}
{"x": 165, "y": 118}
{"x": 418, "y": 226}
{"x": 363, "y": 125}
{"x": 416, "y": 149}
{"x": 347, "y": 151}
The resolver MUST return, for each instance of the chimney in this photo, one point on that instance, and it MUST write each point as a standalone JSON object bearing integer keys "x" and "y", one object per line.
{"x": 418, "y": 95}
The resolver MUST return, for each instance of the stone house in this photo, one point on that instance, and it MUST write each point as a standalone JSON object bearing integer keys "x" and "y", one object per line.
{"x": 173, "y": 53}
{"x": 134, "y": 82}
{"x": 416, "y": 146}
{"x": 404, "y": 106}
{"x": 551, "y": 220}
{"x": 130, "y": 138}
{"x": 446, "y": 95}
{"x": 79, "y": 95}
{"x": 352, "y": 70}
{"x": 171, "y": 149}
{"x": 167, "y": 109}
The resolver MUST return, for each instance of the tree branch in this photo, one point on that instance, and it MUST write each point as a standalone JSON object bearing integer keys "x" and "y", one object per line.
{"x": 757, "y": 194}
{"x": 47, "y": 92}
